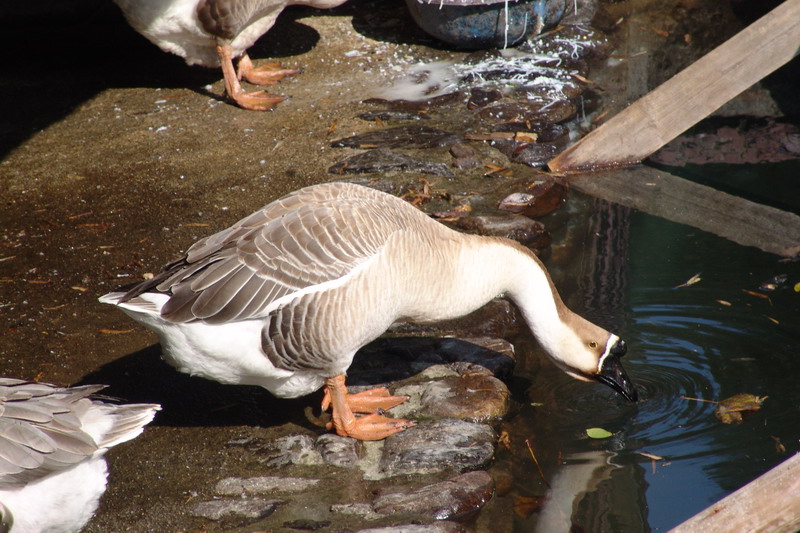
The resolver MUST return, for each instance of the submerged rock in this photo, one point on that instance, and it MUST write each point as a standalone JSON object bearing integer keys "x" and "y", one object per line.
{"x": 532, "y": 154}
{"x": 554, "y": 111}
{"x": 571, "y": 42}
{"x": 384, "y": 160}
{"x": 437, "y": 446}
{"x": 455, "y": 499}
{"x": 464, "y": 156}
{"x": 418, "y": 105}
{"x": 412, "y": 136}
{"x": 339, "y": 451}
{"x": 480, "y": 97}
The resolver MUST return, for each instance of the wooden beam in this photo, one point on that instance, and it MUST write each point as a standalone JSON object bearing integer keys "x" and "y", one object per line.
{"x": 689, "y": 96}
{"x": 771, "y": 504}
{"x": 662, "y": 194}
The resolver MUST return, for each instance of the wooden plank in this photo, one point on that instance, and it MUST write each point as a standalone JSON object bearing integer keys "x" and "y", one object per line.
{"x": 771, "y": 504}
{"x": 689, "y": 96}
{"x": 662, "y": 194}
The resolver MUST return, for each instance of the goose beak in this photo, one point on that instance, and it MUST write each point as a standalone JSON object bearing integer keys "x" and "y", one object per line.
{"x": 612, "y": 374}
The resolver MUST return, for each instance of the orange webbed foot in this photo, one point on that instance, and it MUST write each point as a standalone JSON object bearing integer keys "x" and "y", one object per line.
{"x": 372, "y": 426}
{"x": 369, "y": 427}
{"x": 268, "y": 74}
{"x": 368, "y": 401}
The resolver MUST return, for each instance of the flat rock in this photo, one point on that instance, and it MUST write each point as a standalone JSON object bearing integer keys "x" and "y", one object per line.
{"x": 291, "y": 449}
{"x": 538, "y": 198}
{"x": 555, "y": 111}
{"x": 385, "y": 160}
{"x": 473, "y": 397}
{"x": 234, "y": 486}
{"x": 411, "y": 136}
{"x": 338, "y": 451}
{"x": 238, "y": 510}
{"x": 438, "y": 446}
{"x": 435, "y": 527}
{"x": 455, "y": 499}
{"x": 392, "y": 114}
{"x": 531, "y": 233}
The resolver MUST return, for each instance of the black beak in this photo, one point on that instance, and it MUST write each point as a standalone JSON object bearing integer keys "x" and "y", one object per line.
{"x": 613, "y": 375}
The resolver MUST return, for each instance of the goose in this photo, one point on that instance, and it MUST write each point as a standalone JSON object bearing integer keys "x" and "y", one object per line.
{"x": 213, "y": 33}
{"x": 285, "y": 297}
{"x": 52, "y": 442}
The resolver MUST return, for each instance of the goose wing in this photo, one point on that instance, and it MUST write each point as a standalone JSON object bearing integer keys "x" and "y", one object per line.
{"x": 312, "y": 236}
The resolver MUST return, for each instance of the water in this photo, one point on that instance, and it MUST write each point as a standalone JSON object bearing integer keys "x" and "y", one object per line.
{"x": 709, "y": 340}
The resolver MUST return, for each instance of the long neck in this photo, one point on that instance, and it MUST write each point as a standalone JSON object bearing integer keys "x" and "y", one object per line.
{"x": 485, "y": 267}
{"x": 529, "y": 285}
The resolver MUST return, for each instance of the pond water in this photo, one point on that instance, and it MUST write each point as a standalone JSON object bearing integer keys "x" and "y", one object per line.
{"x": 720, "y": 336}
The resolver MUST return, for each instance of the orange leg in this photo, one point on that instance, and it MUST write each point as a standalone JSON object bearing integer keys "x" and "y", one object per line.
{"x": 268, "y": 74}
{"x": 257, "y": 101}
{"x": 368, "y": 427}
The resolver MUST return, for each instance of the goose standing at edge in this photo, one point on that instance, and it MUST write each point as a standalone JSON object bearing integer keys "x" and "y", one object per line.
{"x": 214, "y": 32}
{"x": 52, "y": 442}
{"x": 286, "y": 296}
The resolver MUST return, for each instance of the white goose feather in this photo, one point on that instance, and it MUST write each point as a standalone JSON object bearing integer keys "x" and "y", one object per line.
{"x": 52, "y": 442}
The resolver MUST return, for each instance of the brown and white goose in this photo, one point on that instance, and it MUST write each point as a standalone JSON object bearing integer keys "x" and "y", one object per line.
{"x": 214, "y": 32}
{"x": 286, "y": 296}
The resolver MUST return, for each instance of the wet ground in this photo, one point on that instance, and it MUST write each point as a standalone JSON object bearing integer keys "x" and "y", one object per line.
{"x": 116, "y": 156}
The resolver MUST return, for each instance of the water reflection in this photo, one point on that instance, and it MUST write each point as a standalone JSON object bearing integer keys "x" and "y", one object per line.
{"x": 718, "y": 337}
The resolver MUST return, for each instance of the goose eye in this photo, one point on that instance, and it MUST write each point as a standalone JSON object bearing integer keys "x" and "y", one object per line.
{"x": 592, "y": 345}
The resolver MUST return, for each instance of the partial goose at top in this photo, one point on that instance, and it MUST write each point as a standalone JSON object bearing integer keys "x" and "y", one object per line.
{"x": 52, "y": 442}
{"x": 213, "y": 33}
{"x": 286, "y": 296}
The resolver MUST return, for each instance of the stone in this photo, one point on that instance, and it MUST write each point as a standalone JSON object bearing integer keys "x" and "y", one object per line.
{"x": 464, "y": 156}
{"x": 539, "y": 198}
{"x": 531, "y": 233}
{"x": 458, "y": 498}
{"x": 338, "y": 451}
{"x": 473, "y": 397}
{"x": 390, "y": 114}
{"x": 243, "y": 511}
{"x": 291, "y": 449}
{"x": 233, "y": 486}
{"x": 384, "y": 160}
{"x": 412, "y": 136}
{"x": 554, "y": 111}
{"x": 435, "y": 527}
{"x": 360, "y": 509}
{"x": 438, "y": 446}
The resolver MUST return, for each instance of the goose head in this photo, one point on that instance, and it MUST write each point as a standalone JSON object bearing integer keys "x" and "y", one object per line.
{"x": 589, "y": 353}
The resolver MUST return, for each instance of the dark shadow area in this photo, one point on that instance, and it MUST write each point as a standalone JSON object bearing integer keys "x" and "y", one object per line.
{"x": 58, "y": 55}
{"x": 143, "y": 377}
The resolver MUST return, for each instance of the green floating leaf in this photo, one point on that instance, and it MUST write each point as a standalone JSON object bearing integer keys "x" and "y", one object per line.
{"x": 598, "y": 433}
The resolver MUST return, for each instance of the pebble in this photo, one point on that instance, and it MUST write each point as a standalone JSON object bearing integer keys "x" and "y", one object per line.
{"x": 455, "y": 499}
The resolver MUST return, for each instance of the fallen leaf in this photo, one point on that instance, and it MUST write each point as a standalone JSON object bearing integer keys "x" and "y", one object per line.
{"x": 114, "y": 331}
{"x": 78, "y": 288}
{"x": 797, "y": 287}
{"x": 773, "y": 320}
{"x": 756, "y": 294}
{"x": 729, "y": 410}
{"x": 691, "y": 281}
{"x": 779, "y": 447}
{"x": 650, "y": 456}
{"x": 598, "y": 433}
{"x": 724, "y": 302}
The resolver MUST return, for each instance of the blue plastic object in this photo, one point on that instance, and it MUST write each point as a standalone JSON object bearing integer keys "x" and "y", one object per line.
{"x": 474, "y": 24}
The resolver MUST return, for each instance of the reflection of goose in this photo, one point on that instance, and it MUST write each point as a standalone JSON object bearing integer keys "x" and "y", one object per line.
{"x": 214, "y": 32}
{"x": 52, "y": 442}
{"x": 285, "y": 297}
